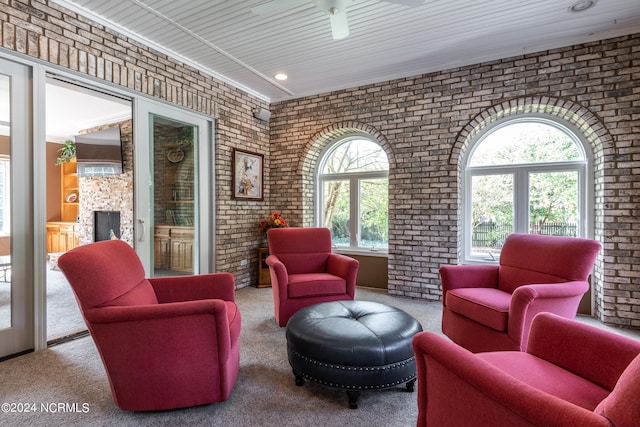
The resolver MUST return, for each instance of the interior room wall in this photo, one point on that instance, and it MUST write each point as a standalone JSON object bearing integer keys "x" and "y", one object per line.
{"x": 54, "y": 198}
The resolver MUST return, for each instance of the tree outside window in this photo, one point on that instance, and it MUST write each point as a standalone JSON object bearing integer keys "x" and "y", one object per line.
{"x": 354, "y": 202}
{"x": 526, "y": 176}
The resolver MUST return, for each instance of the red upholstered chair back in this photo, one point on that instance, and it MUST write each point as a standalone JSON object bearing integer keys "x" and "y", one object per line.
{"x": 301, "y": 250}
{"x": 107, "y": 273}
{"x": 530, "y": 258}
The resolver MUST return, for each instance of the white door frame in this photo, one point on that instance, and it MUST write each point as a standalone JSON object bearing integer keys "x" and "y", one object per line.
{"x": 19, "y": 336}
{"x": 204, "y": 238}
{"x": 35, "y": 183}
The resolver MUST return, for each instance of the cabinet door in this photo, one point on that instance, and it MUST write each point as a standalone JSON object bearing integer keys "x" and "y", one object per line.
{"x": 161, "y": 251}
{"x": 52, "y": 239}
{"x": 182, "y": 254}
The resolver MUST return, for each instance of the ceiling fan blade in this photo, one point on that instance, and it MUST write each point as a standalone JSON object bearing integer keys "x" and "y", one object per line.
{"x": 411, "y": 3}
{"x": 339, "y": 25}
{"x": 274, "y": 7}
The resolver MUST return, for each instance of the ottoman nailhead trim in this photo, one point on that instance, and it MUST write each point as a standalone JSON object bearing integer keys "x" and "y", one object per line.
{"x": 354, "y": 368}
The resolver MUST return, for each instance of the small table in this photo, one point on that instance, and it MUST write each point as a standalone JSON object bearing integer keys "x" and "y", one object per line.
{"x": 353, "y": 345}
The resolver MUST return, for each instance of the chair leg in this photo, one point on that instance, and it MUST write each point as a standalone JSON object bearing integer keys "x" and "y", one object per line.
{"x": 411, "y": 385}
{"x": 299, "y": 379}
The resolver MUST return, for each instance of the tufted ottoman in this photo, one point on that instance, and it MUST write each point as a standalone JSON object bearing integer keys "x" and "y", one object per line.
{"x": 352, "y": 345}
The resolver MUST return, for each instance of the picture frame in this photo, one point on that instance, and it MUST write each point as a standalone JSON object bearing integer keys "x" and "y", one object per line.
{"x": 247, "y": 170}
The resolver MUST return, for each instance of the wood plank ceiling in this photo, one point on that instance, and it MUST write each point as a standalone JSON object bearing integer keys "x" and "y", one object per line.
{"x": 387, "y": 40}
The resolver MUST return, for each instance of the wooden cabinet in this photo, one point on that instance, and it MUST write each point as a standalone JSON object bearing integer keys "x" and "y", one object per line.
{"x": 161, "y": 247}
{"x": 173, "y": 248}
{"x": 70, "y": 192}
{"x": 62, "y": 236}
{"x": 264, "y": 276}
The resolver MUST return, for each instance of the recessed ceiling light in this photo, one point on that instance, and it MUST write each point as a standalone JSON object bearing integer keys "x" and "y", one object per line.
{"x": 582, "y": 5}
{"x": 281, "y": 76}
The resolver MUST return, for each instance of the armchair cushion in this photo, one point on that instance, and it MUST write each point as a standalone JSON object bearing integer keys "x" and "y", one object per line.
{"x": 307, "y": 285}
{"x": 547, "y": 377}
{"x": 484, "y": 305}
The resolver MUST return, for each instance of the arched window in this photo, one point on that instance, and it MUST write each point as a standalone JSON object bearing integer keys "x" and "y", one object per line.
{"x": 353, "y": 186}
{"x": 524, "y": 175}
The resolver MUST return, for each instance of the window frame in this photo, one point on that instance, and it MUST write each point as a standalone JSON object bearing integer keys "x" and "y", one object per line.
{"x": 521, "y": 173}
{"x": 354, "y": 179}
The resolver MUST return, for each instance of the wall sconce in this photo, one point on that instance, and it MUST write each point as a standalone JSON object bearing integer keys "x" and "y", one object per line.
{"x": 262, "y": 114}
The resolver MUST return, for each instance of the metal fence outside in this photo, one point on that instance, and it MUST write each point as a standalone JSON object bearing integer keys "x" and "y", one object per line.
{"x": 493, "y": 235}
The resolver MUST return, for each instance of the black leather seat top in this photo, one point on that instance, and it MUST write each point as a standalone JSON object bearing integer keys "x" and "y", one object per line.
{"x": 352, "y": 333}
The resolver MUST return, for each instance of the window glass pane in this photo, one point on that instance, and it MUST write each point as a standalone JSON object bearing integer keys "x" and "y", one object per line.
{"x": 492, "y": 213}
{"x": 526, "y": 142}
{"x": 336, "y": 211}
{"x": 374, "y": 213}
{"x": 553, "y": 203}
{"x": 356, "y": 155}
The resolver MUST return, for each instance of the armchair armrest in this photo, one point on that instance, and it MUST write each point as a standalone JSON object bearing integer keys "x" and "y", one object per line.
{"x": 529, "y": 300}
{"x": 196, "y": 287}
{"x": 455, "y": 387}
{"x": 279, "y": 277}
{"x": 468, "y": 276}
{"x": 162, "y": 327}
{"x": 582, "y": 349}
{"x": 344, "y": 267}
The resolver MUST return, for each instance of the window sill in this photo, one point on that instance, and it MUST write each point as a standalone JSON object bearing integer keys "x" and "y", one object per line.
{"x": 362, "y": 252}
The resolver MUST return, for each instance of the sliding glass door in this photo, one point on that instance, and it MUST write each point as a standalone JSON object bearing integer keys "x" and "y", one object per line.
{"x": 16, "y": 234}
{"x": 174, "y": 172}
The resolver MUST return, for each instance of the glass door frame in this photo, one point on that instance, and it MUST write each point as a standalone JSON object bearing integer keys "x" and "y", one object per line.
{"x": 204, "y": 236}
{"x": 18, "y": 337}
{"x": 36, "y": 193}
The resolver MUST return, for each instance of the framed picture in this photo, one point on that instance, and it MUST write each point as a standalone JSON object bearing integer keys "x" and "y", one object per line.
{"x": 247, "y": 170}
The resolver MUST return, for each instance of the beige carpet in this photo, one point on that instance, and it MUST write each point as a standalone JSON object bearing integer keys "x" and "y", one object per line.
{"x": 265, "y": 394}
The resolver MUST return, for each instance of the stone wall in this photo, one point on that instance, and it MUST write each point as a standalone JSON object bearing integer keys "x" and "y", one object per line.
{"x": 426, "y": 122}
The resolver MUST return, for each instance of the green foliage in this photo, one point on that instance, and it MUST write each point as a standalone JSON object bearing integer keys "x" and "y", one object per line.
{"x": 66, "y": 153}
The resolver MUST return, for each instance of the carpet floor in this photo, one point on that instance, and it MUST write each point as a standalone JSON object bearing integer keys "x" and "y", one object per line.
{"x": 70, "y": 382}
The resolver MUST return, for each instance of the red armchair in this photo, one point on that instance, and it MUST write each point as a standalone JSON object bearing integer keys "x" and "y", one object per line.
{"x": 571, "y": 375}
{"x": 165, "y": 343}
{"x": 304, "y": 270}
{"x": 490, "y": 307}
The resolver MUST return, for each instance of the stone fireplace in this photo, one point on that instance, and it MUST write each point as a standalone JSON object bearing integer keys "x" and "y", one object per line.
{"x": 112, "y": 194}
{"x": 106, "y": 225}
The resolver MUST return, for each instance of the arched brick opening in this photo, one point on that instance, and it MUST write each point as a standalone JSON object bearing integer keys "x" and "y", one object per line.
{"x": 594, "y": 133}
{"x": 311, "y": 155}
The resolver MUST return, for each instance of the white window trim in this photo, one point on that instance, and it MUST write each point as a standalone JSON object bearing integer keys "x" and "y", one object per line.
{"x": 354, "y": 178}
{"x": 521, "y": 173}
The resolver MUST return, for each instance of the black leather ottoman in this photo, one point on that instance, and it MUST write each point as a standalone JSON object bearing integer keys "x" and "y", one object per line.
{"x": 352, "y": 345}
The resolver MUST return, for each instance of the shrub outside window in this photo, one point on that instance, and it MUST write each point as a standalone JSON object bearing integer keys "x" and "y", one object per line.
{"x": 526, "y": 175}
{"x": 353, "y": 198}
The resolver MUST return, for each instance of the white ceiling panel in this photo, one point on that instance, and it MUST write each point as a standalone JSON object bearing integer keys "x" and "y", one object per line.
{"x": 387, "y": 40}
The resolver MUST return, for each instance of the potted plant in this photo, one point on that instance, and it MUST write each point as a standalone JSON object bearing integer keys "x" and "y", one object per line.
{"x": 66, "y": 153}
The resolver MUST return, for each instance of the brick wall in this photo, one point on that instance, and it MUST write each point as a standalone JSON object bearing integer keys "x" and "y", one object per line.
{"x": 426, "y": 122}
{"x": 52, "y": 34}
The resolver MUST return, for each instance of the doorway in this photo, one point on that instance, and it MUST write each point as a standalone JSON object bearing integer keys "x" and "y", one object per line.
{"x": 80, "y": 191}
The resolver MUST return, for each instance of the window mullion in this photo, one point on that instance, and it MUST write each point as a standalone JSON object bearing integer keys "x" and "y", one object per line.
{"x": 354, "y": 213}
{"x": 521, "y": 201}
